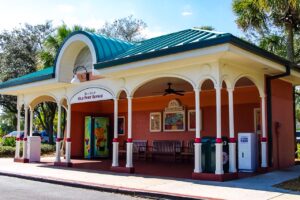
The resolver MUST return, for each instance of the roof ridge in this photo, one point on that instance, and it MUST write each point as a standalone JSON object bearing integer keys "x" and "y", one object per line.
{"x": 209, "y": 31}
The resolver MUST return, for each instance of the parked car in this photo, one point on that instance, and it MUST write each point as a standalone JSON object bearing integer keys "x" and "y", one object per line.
{"x": 14, "y": 134}
{"x": 298, "y": 136}
{"x": 44, "y": 136}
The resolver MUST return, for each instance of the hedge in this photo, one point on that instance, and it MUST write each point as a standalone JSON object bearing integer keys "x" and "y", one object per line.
{"x": 8, "y": 151}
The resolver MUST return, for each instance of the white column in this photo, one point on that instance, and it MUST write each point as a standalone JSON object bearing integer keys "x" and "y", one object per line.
{"x": 219, "y": 144}
{"x": 197, "y": 143}
{"x": 31, "y": 121}
{"x": 232, "y": 141}
{"x": 25, "y": 156}
{"x": 264, "y": 135}
{"x": 17, "y": 153}
{"x": 115, "y": 162}
{"x": 129, "y": 143}
{"x": 58, "y": 136}
{"x": 68, "y": 141}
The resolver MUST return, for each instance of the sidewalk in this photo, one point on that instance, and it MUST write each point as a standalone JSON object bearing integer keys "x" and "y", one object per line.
{"x": 258, "y": 187}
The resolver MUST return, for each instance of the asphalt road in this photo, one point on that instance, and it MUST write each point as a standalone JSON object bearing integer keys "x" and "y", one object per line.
{"x": 17, "y": 189}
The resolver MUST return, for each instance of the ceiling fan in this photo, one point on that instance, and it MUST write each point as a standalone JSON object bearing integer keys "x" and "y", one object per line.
{"x": 170, "y": 90}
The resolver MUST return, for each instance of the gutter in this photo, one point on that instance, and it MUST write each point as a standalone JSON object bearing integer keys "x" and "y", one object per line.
{"x": 269, "y": 110}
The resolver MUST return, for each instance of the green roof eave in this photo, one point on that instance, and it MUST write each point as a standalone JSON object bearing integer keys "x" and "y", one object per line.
{"x": 225, "y": 38}
{"x": 41, "y": 75}
{"x": 25, "y": 81}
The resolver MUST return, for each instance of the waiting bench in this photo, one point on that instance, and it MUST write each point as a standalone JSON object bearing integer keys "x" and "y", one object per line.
{"x": 166, "y": 147}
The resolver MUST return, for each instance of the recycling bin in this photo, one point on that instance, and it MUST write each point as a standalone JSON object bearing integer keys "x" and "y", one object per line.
{"x": 209, "y": 154}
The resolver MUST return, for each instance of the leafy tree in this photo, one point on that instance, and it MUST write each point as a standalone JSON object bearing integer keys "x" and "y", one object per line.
{"x": 270, "y": 18}
{"x": 275, "y": 26}
{"x": 127, "y": 28}
{"x": 19, "y": 50}
{"x": 208, "y": 28}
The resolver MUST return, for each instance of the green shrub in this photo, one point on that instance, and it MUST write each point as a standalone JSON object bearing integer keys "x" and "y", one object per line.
{"x": 7, "y": 151}
{"x": 47, "y": 149}
{"x": 298, "y": 150}
{"x": 10, "y": 141}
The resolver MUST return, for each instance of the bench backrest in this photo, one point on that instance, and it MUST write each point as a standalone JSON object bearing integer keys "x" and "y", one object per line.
{"x": 190, "y": 146}
{"x": 167, "y": 146}
{"x": 139, "y": 145}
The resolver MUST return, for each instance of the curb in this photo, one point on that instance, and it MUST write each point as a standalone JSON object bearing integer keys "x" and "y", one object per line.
{"x": 107, "y": 188}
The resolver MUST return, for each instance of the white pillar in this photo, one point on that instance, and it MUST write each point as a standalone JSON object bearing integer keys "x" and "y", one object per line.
{"x": 17, "y": 153}
{"x": 264, "y": 135}
{"x": 68, "y": 141}
{"x": 219, "y": 144}
{"x": 232, "y": 141}
{"x": 31, "y": 121}
{"x": 197, "y": 143}
{"x": 25, "y": 155}
{"x": 58, "y": 136}
{"x": 115, "y": 162}
{"x": 129, "y": 144}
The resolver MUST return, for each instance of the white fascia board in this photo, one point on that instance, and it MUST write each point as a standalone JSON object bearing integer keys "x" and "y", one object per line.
{"x": 164, "y": 59}
{"x": 39, "y": 85}
{"x": 236, "y": 50}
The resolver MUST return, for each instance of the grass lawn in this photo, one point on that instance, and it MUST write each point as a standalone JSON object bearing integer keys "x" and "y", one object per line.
{"x": 293, "y": 184}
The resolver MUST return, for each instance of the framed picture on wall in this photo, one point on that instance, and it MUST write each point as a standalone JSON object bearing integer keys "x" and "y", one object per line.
{"x": 257, "y": 120}
{"x": 192, "y": 120}
{"x": 174, "y": 121}
{"x": 121, "y": 125}
{"x": 155, "y": 122}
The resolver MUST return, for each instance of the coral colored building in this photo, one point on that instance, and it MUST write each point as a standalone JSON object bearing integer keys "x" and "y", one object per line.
{"x": 168, "y": 96}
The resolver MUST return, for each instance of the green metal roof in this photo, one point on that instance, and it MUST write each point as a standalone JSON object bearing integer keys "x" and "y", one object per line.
{"x": 106, "y": 48}
{"x": 189, "y": 39}
{"x": 111, "y": 52}
{"x": 170, "y": 40}
{"x": 44, "y": 74}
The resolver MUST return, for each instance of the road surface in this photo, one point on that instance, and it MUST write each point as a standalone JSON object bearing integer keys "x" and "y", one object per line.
{"x": 19, "y": 189}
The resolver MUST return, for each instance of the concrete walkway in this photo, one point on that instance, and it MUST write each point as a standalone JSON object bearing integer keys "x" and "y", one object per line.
{"x": 258, "y": 187}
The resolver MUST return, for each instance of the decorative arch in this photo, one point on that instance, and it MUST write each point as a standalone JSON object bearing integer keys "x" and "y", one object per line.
{"x": 67, "y": 54}
{"x": 122, "y": 90}
{"x": 205, "y": 78}
{"x": 251, "y": 78}
{"x": 42, "y": 98}
{"x": 137, "y": 86}
{"x": 102, "y": 48}
{"x": 81, "y": 89}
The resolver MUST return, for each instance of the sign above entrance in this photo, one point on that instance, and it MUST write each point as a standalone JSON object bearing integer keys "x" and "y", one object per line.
{"x": 90, "y": 95}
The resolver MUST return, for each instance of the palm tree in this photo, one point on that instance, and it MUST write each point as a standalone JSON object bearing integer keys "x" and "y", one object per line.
{"x": 266, "y": 16}
{"x": 54, "y": 41}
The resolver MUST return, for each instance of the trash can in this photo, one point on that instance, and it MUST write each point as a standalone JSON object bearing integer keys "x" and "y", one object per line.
{"x": 208, "y": 156}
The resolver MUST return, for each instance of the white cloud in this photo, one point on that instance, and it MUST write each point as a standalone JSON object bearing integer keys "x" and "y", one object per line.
{"x": 187, "y": 10}
{"x": 147, "y": 33}
{"x": 186, "y": 13}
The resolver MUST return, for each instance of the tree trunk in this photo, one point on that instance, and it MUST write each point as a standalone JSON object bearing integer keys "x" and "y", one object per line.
{"x": 290, "y": 42}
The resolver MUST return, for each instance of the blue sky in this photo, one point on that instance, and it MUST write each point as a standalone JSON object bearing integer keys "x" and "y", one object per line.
{"x": 161, "y": 16}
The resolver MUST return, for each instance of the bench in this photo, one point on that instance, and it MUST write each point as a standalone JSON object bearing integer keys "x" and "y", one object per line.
{"x": 166, "y": 147}
{"x": 140, "y": 148}
{"x": 189, "y": 150}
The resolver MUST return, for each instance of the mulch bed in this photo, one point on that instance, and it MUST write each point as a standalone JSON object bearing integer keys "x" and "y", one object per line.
{"x": 293, "y": 184}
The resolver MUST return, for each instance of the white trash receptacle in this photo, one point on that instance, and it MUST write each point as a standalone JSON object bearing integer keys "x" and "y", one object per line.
{"x": 34, "y": 148}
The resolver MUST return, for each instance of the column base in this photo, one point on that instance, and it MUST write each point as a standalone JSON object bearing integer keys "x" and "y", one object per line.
{"x": 128, "y": 170}
{"x": 215, "y": 177}
{"x": 263, "y": 169}
{"x": 21, "y": 160}
{"x": 63, "y": 164}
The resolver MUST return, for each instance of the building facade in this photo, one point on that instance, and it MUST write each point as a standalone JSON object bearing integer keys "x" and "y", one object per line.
{"x": 187, "y": 86}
